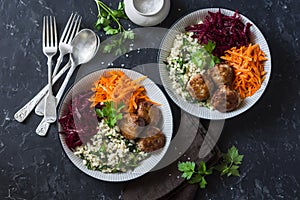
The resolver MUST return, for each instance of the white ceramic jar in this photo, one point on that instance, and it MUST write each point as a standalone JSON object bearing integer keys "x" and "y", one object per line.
{"x": 147, "y": 12}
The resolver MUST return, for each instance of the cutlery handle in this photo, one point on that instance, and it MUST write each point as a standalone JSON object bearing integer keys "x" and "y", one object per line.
{"x": 23, "y": 113}
{"x": 39, "y": 109}
{"x": 64, "y": 84}
{"x": 42, "y": 128}
{"x": 58, "y": 62}
{"x": 49, "y": 63}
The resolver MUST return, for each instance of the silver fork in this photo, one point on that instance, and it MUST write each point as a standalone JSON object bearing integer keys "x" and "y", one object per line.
{"x": 50, "y": 49}
{"x": 72, "y": 27}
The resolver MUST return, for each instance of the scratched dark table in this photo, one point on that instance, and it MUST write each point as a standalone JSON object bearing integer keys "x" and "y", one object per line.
{"x": 33, "y": 167}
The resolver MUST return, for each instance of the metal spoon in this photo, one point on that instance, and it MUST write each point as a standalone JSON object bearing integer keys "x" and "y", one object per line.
{"x": 84, "y": 46}
{"x": 23, "y": 113}
{"x": 39, "y": 109}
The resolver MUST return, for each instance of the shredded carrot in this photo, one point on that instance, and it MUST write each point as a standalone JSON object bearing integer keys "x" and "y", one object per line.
{"x": 248, "y": 67}
{"x": 117, "y": 87}
{"x": 104, "y": 87}
{"x": 137, "y": 96}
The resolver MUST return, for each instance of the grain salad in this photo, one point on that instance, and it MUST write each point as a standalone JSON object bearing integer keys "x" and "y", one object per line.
{"x": 187, "y": 58}
{"x": 109, "y": 152}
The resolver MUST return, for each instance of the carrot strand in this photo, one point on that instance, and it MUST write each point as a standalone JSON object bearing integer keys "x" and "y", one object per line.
{"x": 248, "y": 66}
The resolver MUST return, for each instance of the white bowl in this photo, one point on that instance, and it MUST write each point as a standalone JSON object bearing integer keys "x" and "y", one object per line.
{"x": 146, "y": 165}
{"x": 193, "y": 18}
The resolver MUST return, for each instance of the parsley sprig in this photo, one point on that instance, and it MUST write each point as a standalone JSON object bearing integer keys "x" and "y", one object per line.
{"x": 209, "y": 47}
{"x": 228, "y": 166}
{"x": 230, "y": 163}
{"x": 118, "y": 43}
{"x": 110, "y": 114}
{"x": 198, "y": 176}
{"x": 109, "y": 21}
{"x": 108, "y": 17}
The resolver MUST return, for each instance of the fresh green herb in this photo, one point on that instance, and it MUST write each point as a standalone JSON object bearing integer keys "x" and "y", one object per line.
{"x": 202, "y": 59}
{"x": 102, "y": 148}
{"x": 110, "y": 114}
{"x": 198, "y": 176}
{"x": 109, "y": 21}
{"x": 188, "y": 169}
{"x": 117, "y": 43}
{"x": 230, "y": 163}
{"x": 209, "y": 47}
{"x": 229, "y": 166}
{"x": 109, "y": 18}
{"x": 197, "y": 58}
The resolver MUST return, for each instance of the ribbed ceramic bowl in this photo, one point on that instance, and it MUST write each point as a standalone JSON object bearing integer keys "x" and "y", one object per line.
{"x": 154, "y": 93}
{"x": 195, "y": 109}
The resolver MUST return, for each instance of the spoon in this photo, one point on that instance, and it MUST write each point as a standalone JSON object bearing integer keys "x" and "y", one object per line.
{"x": 84, "y": 46}
{"x": 39, "y": 109}
{"x": 23, "y": 113}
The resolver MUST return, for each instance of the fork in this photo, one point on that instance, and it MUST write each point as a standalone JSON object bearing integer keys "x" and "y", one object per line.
{"x": 50, "y": 49}
{"x": 71, "y": 28}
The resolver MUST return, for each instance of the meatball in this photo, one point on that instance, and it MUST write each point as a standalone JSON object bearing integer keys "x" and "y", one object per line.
{"x": 154, "y": 140}
{"x": 221, "y": 74}
{"x": 225, "y": 99}
{"x": 155, "y": 115}
{"x": 143, "y": 113}
{"x": 129, "y": 126}
{"x": 200, "y": 86}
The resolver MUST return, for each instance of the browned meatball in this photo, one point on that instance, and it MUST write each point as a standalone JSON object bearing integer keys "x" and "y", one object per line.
{"x": 200, "y": 86}
{"x": 129, "y": 126}
{"x": 221, "y": 74}
{"x": 225, "y": 99}
{"x": 154, "y": 140}
{"x": 143, "y": 113}
{"x": 155, "y": 115}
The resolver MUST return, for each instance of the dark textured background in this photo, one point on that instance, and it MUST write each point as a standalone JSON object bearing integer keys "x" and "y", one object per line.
{"x": 32, "y": 167}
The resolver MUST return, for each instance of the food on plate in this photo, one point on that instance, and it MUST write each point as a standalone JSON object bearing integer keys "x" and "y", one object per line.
{"x": 225, "y": 31}
{"x": 79, "y": 121}
{"x": 153, "y": 140}
{"x": 221, "y": 74}
{"x": 214, "y": 64}
{"x": 130, "y": 127}
{"x": 109, "y": 152}
{"x": 200, "y": 86}
{"x": 187, "y": 59}
{"x": 225, "y": 99}
{"x": 125, "y": 126}
{"x": 248, "y": 66}
{"x": 155, "y": 116}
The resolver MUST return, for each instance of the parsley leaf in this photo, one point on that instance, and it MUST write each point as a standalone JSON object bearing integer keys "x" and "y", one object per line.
{"x": 107, "y": 18}
{"x": 110, "y": 114}
{"x": 229, "y": 166}
{"x": 202, "y": 183}
{"x": 189, "y": 173}
{"x": 188, "y": 169}
{"x": 209, "y": 47}
{"x": 202, "y": 169}
{"x": 230, "y": 163}
{"x": 119, "y": 43}
{"x": 109, "y": 21}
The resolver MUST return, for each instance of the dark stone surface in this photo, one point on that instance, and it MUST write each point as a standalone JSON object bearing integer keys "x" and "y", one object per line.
{"x": 32, "y": 167}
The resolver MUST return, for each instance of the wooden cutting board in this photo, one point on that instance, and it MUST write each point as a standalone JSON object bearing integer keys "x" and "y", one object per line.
{"x": 167, "y": 182}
